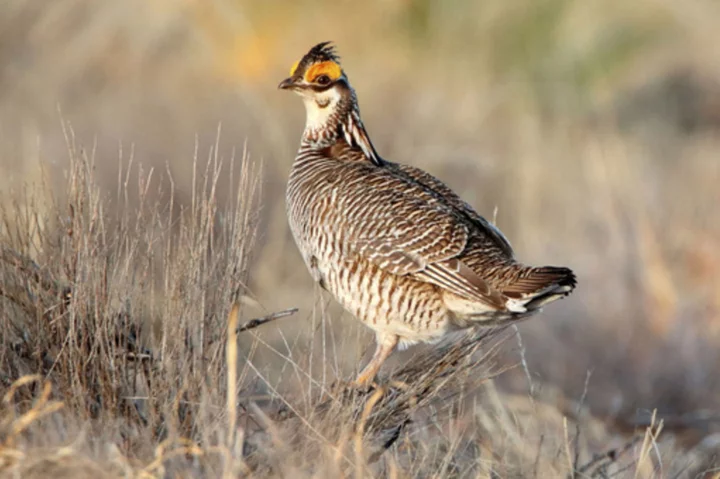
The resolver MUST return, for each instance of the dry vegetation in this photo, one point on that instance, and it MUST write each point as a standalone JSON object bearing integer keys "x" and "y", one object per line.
{"x": 131, "y": 224}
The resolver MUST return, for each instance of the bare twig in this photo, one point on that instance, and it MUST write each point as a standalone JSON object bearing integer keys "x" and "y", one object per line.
{"x": 254, "y": 323}
{"x": 576, "y": 439}
{"x": 567, "y": 447}
{"x": 526, "y": 368}
{"x": 234, "y": 444}
{"x": 231, "y": 360}
{"x": 537, "y": 455}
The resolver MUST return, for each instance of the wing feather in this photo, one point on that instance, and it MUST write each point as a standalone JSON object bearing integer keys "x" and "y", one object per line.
{"x": 404, "y": 228}
{"x": 426, "y": 179}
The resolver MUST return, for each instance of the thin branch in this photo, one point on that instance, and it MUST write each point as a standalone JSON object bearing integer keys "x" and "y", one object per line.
{"x": 254, "y": 323}
{"x": 526, "y": 368}
{"x": 576, "y": 439}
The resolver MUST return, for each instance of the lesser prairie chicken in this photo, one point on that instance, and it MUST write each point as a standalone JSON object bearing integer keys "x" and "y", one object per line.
{"x": 394, "y": 245}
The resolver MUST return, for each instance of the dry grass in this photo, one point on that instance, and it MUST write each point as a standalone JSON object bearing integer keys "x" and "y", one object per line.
{"x": 129, "y": 230}
{"x": 118, "y": 361}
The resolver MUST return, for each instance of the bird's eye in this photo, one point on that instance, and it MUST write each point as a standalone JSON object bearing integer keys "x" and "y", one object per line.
{"x": 322, "y": 80}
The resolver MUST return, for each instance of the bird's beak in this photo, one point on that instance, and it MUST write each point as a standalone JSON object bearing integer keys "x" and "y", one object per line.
{"x": 286, "y": 84}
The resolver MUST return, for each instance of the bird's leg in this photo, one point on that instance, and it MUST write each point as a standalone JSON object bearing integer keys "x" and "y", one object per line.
{"x": 385, "y": 346}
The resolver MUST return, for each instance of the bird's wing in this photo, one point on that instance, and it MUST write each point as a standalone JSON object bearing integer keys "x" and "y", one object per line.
{"x": 404, "y": 229}
{"x": 452, "y": 199}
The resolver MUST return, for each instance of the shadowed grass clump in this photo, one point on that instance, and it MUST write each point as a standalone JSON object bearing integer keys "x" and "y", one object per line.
{"x": 112, "y": 309}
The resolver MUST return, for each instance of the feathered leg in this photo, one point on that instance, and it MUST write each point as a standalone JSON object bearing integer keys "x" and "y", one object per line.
{"x": 385, "y": 346}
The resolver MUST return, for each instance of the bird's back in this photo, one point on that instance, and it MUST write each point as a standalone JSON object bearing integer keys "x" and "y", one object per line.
{"x": 340, "y": 205}
{"x": 333, "y": 189}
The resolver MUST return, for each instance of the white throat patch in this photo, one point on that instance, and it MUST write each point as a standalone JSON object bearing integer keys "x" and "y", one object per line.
{"x": 319, "y": 107}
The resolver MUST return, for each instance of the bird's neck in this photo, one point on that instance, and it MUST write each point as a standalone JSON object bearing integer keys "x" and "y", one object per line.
{"x": 324, "y": 129}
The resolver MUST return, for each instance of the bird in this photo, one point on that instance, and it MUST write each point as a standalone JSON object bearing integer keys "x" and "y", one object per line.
{"x": 395, "y": 246}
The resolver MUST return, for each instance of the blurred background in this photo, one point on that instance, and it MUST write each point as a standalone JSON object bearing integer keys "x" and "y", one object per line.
{"x": 589, "y": 130}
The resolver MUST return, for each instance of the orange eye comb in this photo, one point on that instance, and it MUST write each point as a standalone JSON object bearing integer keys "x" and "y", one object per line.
{"x": 329, "y": 68}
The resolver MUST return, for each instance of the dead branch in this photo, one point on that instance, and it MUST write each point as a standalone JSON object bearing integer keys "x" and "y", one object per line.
{"x": 254, "y": 323}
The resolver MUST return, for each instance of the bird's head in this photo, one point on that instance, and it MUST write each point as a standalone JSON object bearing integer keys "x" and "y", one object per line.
{"x": 330, "y": 102}
{"x": 317, "y": 74}
{"x": 320, "y": 80}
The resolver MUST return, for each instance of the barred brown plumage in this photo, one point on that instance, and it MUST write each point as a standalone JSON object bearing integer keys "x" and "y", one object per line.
{"x": 394, "y": 245}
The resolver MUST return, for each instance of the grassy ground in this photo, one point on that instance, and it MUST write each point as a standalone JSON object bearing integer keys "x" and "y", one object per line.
{"x": 132, "y": 223}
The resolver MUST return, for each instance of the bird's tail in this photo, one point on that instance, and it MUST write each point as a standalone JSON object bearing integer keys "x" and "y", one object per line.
{"x": 538, "y": 286}
{"x": 525, "y": 294}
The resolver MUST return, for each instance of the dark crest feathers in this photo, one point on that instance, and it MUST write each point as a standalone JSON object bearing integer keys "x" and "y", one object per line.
{"x": 321, "y": 52}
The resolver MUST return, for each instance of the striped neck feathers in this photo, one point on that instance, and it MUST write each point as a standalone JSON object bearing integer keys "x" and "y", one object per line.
{"x": 333, "y": 115}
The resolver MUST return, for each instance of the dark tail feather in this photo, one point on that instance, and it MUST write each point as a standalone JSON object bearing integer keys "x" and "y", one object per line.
{"x": 540, "y": 286}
